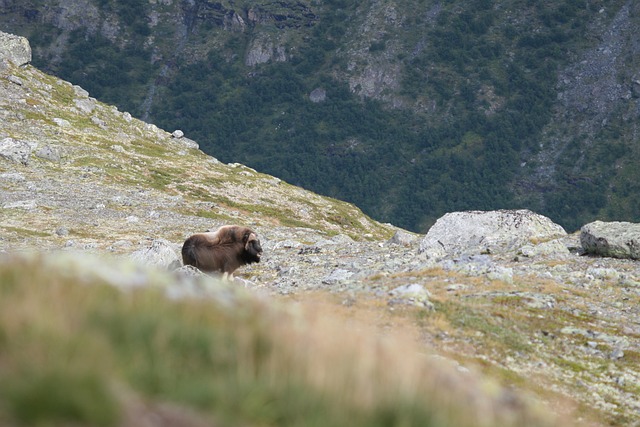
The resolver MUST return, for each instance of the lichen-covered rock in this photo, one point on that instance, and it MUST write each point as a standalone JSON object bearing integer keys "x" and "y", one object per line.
{"x": 403, "y": 238}
{"x": 611, "y": 239}
{"x": 477, "y": 232}
{"x": 160, "y": 253}
{"x": 15, "y": 48}
{"x": 48, "y": 153}
{"x": 413, "y": 294}
{"x": 264, "y": 50}
{"x": 552, "y": 248}
{"x": 15, "y": 150}
{"x": 479, "y": 265}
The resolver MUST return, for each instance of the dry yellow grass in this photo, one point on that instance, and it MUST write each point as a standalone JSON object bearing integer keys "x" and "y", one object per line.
{"x": 258, "y": 362}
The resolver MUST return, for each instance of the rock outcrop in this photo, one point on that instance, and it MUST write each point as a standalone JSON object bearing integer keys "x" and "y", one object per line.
{"x": 480, "y": 232}
{"x": 611, "y": 239}
{"x": 15, "y": 48}
{"x": 264, "y": 50}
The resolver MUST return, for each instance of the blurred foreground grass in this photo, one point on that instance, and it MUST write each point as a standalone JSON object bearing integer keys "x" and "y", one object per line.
{"x": 77, "y": 349}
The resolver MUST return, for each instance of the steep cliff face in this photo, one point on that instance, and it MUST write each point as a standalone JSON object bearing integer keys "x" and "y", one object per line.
{"x": 479, "y": 105}
{"x": 587, "y": 148}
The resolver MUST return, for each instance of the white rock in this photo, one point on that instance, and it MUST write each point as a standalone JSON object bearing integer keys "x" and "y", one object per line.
{"x": 477, "y": 232}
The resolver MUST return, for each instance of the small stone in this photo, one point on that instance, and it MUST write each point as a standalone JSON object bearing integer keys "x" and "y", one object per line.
{"x": 15, "y": 80}
{"x": 62, "y": 231}
{"x": 61, "y": 122}
{"x": 338, "y": 275}
{"x": 403, "y": 238}
{"x": 616, "y": 354}
{"x": 48, "y": 153}
{"x": 413, "y": 294}
{"x": 159, "y": 253}
{"x": 85, "y": 105}
{"x": 98, "y": 122}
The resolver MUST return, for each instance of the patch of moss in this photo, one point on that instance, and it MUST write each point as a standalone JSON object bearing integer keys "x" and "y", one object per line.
{"x": 26, "y": 232}
{"x": 32, "y": 102}
{"x": 83, "y": 233}
{"x": 62, "y": 94}
{"x": 35, "y": 398}
{"x": 148, "y": 148}
{"x": 194, "y": 192}
{"x": 498, "y": 330}
{"x": 508, "y": 300}
{"x": 571, "y": 365}
{"x": 210, "y": 214}
{"x": 30, "y": 114}
{"x": 631, "y": 357}
{"x": 285, "y": 217}
{"x": 160, "y": 178}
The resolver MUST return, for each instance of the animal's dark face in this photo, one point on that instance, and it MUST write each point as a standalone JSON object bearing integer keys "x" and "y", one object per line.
{"x": 253, "y": 249}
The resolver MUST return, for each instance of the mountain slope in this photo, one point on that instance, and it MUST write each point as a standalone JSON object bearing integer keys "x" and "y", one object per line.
{"x": 89, "y": 339}
{"x": 86, "y": 159}
{"x": 81, "y": 182}
{"x": 420, "y": 107}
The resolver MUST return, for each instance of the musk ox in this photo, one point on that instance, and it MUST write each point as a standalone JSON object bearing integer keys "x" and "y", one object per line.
{"x": 223, "y": 251}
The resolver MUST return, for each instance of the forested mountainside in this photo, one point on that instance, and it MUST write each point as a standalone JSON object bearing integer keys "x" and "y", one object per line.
{"x": 408, "y": 108}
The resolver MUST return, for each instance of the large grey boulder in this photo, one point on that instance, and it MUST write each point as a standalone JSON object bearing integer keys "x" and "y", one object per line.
{"x": 611, "y": 239}
{"x": 15, "y": 48}
{"x": 484, "y": 232}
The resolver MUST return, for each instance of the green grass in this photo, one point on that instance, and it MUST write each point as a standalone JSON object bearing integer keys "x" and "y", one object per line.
{"x": 54, "y": 396}
{"x": 26, "y": 232}
{"x": 497, "y": 329}
{"x": 570, "y": 365}
{"x": 284, "y": 216}
{"x": 149, "y": 148}
{"x": 211, "y": 214}
{"x": 74, "y": 348}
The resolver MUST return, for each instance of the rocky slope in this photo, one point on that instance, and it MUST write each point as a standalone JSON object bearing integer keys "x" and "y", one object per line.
{"x": 79, "y": 175}
{"x": 96, "y": 168}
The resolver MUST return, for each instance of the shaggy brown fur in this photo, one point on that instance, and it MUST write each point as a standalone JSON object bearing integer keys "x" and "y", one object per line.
{"x": 223, "y": 251}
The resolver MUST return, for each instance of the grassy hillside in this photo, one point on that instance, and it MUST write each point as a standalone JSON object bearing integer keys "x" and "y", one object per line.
{"x": 111, "y": 169}
{"x": 121, "y": 356}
